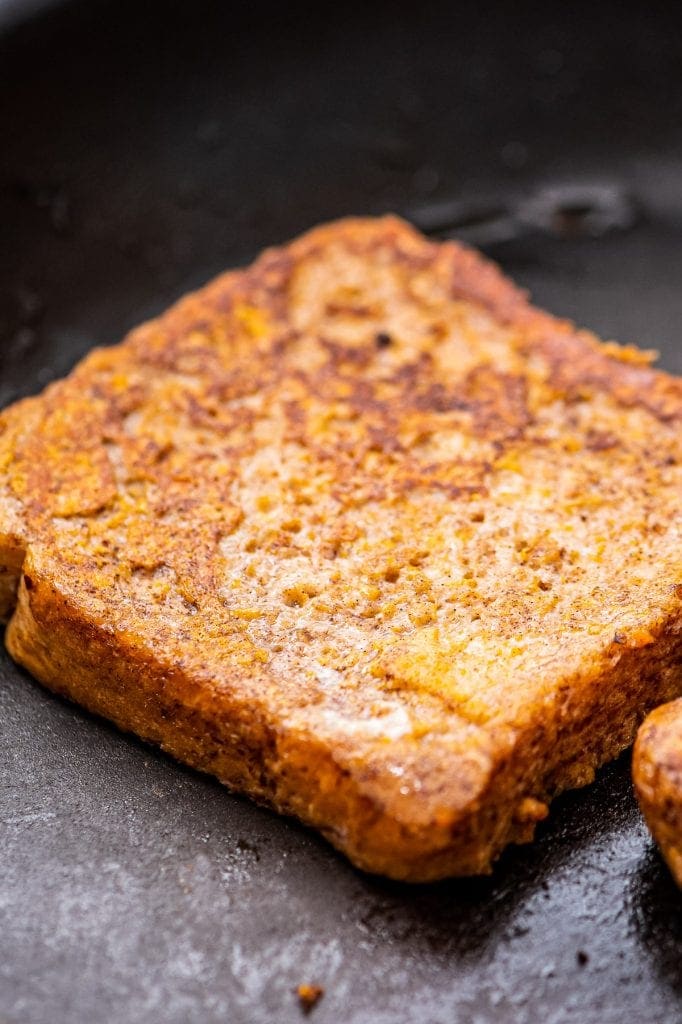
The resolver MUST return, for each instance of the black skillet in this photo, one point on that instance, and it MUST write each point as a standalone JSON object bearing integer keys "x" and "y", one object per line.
{"x": 143, "y": 148}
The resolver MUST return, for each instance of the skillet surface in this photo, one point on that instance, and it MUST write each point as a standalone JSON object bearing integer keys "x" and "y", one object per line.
{"x": 145, "y": 148}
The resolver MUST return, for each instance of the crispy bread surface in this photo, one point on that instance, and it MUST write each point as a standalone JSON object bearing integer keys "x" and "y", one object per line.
{"x": 363, "y": 534}
{"x": 657, "y": 773}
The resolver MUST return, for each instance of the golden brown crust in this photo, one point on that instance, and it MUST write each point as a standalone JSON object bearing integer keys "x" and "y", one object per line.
{"x": 363, "y": 534}
{"x": 657, "y": 774}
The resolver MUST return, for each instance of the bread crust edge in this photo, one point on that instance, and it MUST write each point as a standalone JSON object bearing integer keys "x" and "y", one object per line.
{"x": 296, "y": 773}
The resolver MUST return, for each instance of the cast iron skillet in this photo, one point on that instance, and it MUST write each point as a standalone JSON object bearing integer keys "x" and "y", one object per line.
{"x": 144, "y": 147}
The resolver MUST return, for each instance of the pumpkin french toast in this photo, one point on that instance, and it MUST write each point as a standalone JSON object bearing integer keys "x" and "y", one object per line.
{"x": 363, "y": 534}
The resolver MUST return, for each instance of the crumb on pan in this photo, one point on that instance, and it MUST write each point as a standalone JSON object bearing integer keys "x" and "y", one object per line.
{"x": 309, "y": 996}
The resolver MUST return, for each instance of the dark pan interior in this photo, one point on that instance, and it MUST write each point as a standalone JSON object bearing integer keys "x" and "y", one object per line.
{"x": 143, "y": 148}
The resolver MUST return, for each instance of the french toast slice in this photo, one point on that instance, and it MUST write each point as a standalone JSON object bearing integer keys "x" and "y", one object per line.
{"x": 657, "y": 774}
{"x": 363, "y": 534}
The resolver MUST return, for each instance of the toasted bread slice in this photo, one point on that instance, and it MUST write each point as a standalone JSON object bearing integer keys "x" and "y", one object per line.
{"x": 657, "y": 773}
{"x": 363, "y": 534}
